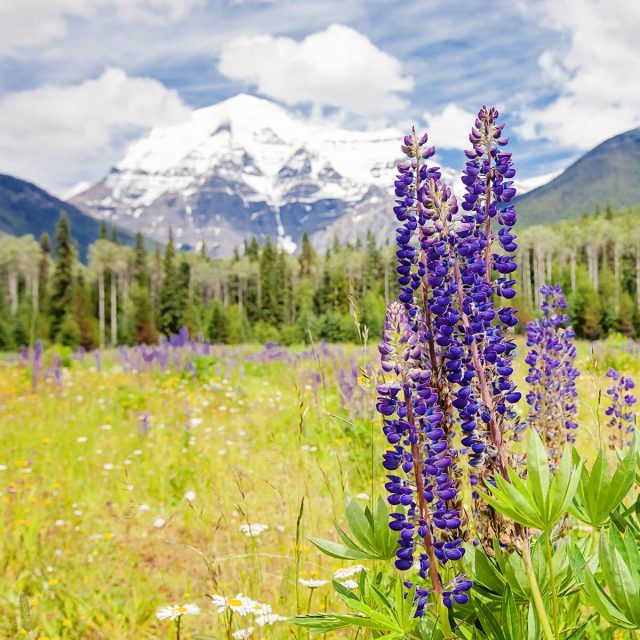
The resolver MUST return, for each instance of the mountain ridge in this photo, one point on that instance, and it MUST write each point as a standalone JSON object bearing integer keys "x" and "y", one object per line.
{"x": 27, "y": 209}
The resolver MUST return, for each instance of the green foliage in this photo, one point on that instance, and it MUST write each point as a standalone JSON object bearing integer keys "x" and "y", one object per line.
{"x": 541, "y": 499}
{"x": 619, "y": 562}
{"x": 388, "y": 612}
{"x": 370, "y": 539}
{"x": 599, "y": 493}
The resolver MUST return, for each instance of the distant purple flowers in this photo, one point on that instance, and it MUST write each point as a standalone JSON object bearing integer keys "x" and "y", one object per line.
{"x": 621, "y": 408}
{"x": 552, "y": 373}
{"x": 447, "y": 347}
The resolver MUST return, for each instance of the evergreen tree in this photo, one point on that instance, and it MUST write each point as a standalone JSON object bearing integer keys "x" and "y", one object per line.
{"x": 82, "y": 314}
{"x": 218, "y": 330}
{"x": 307, "y": 256}
{"x": 271, "y": 294}
{"x": 43, "y": 272}
{"x": 60, "y": 303}
{"x": 143, "y": 326}
{"x": 170, "y": 294}
{"x": 103, "y": 232}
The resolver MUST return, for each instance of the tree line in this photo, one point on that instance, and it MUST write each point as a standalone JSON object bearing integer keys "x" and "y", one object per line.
{"x": 127, "y": 295}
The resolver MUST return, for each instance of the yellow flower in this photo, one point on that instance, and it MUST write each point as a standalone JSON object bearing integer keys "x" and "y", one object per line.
{"x": 53, "y": 582}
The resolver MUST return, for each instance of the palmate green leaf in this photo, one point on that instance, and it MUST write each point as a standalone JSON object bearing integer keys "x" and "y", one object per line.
{"x": 563, "y": 488}
{"x": 490, "y": 625}
{"x": 620, "y": 564}
{"x": 598, "y": 494}
{"x": 361, "y": 527}
{"x": 486, "y": 575}
{"x": 538, "y": 475}
{"x": 336, "y": 550}
{"x": 509, "y": 616}
{"x": 385, "y": 538}
{"x": 598, "y": 598}
{"x": 370, "y": 539}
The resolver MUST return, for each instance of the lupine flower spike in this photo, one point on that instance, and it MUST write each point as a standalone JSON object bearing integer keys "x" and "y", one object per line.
{"x": 552, "y": 374}
{"x": 622, "y": 417}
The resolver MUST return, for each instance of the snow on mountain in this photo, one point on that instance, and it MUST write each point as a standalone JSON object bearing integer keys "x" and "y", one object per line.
{"x": 246, "y": 167}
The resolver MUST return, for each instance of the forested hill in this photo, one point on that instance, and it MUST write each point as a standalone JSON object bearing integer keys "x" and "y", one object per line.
{"x": 27, "y": 209}
{"x": 610, "y": 173}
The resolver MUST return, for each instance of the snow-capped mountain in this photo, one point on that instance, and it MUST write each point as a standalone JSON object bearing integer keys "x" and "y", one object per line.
{"x": 246, "y": 167}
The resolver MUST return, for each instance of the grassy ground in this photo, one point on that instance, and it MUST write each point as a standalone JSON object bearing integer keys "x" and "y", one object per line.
{"x": 122, "y": 491}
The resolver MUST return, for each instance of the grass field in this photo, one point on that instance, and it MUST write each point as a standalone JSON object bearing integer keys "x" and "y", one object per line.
{"x": 125, "y": 488}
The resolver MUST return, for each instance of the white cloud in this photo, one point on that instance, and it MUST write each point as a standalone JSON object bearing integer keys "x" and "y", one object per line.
{"x": 338, "y": 67}
{"x": 449, "y": 129}
{"x": 28, "y": 23}
{"x": 59, "y": 135}
{"x": 593, "y": 70}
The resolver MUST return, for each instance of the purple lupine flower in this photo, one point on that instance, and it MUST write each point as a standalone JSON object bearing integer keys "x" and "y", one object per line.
{"x": 552, "y": 374}
{"x": 489, "y": 327}
{"x": 36, "y": 365}
{"x": 419, "y": 456}
{"x": 447, "y": 347}
{"x": 621, "y": 409}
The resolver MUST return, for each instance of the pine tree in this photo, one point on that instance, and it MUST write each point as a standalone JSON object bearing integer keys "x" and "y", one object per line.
{"x": 43, "y": 272}
{"x": 60, "y": 303}
{"x": 269, "y": 286}
{"x": 170, "y": 294}
{"x": 82, "y": 314}
{"x": 143, "y": 329}
{"x": 218, "y": 329}
{"x": 307, "y": 256}
{"x": 103, "y": 232}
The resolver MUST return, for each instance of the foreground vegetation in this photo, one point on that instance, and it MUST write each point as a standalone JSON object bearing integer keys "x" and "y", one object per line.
{"x": 124, "y": 490}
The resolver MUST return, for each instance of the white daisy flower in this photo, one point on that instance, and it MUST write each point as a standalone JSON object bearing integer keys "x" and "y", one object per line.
{"x": 349, "y": 584}
{"x": 174, "y": 611}
{"x": 312, "y": 584}
{"x": 253, "y": 530}
{"x": 348, "y": 572}
{"x": 242, "y": 634}
{"x": 190, "y": 496}
{"x": 270, "y": 618}
{"x": 238, "y": 604}
{"x": 158, "y": 522}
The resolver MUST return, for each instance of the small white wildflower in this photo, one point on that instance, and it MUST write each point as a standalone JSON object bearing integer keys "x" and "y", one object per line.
{"x": 106, "y": 427}
{"x": 348, "y": 572}
{"x": 144, "y": 507}
{"x": 3, "y": 467}
{"x": 158, "y": 522}
{"x": 137, "y": 452}
{"x": 196, "y": 422}
{"x": 362, "y": 496}
{"x": 190, "y": 496}
{"x": 253, "y": 530}
{"x": 312, "y": 584}
{"x": 82, "y": 439}
{"x": 242, "y": 634}
{"x": 174, "y": 611}
{"x": 107, "y": 466}
{"x": 349, "y": 584}
{"x": 238, "y": 604}
{"x": 59, "y": 523}
{"x": 270, "y": 618}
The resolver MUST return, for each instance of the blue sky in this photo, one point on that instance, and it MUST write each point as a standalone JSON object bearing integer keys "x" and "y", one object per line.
{"x": 79, "y": 79}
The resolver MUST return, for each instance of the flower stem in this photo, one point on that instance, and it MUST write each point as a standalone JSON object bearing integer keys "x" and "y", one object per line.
{"x": 535, "y": 593}
{"x": 178, "y": 623}
{"x": 552, "y": 581}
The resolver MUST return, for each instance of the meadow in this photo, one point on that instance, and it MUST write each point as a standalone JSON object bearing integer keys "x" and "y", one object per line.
{"x": 130, "y": 482}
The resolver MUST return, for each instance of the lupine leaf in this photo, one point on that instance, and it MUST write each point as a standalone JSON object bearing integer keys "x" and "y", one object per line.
{"x": 563, "y": 488}
{"x": 510, "y": 619}
{"x": 358, "y": 523}
{"x": 538, "y": 475}
{"x": 336, "y": 550}
{"x": 490, "y": 624}
{"x": 624, "y": 587}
